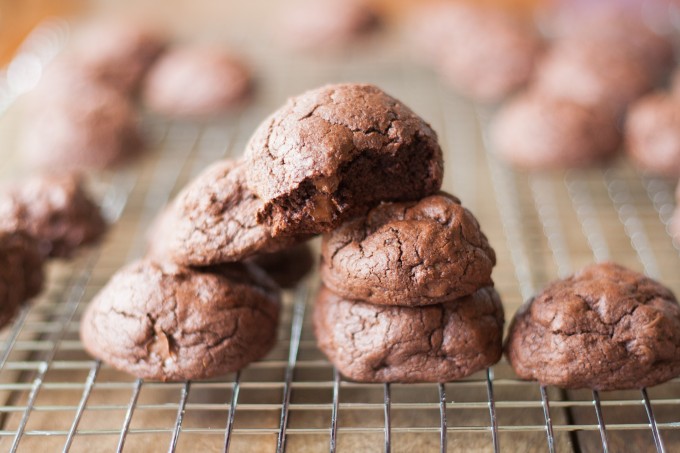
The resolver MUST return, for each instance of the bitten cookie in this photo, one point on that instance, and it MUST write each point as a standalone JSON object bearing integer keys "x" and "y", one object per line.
{"x": 326, "y": 25}
{"x": 214, "y": 220}
{"x": 536, "y": 131}
{"x": 55, "y": 210}
{"x": 21, "y": 272}
{"x": 288, "y": 266}
{"x": 485, "y": 53}
{"x": 74, "y": 122}
{"x": 196, "y": 82}
{"x": 171, "y": 323}
{"x": 335, "y": 152}
{"x": 605, "y": 328}
{"x": 439, "y": 343}
{"x": 652, "y": 133}
{"x": 117, "y": 52}
{"x": 411, "y": 253}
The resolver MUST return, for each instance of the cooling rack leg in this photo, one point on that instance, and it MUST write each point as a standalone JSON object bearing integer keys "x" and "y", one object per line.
{"x": 388, "y": 420}
{"x": 442, "y": 417}
{"x": 180, "y": 416}
{"x": 295, "y": 333}
{"x": 492, "y": 410}
{"x": 334, "y": 413}
{"x": 600, "y": 421}
{"x": 658, "y": 442}
{"x": 128, "y": 415}
{"x": 548, "y": 420}
{"x": 232, "y": 411}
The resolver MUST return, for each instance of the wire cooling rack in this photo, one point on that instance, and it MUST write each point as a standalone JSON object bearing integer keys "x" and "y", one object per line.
{"x": 54, "y": 397}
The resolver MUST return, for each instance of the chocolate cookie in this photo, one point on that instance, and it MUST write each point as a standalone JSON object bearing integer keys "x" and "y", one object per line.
{"x": 286, "y": 267}
{"x": 605, "y": 328}
{"x": 537, "y": 131}
{"x": 592, "y": 73}
{"x": 214, "y": 220}
{"x": 439, "y": 343}
{"x": 618, "y": 26}
{"x": 652, "y": 133}
{"x": 55, "y": 210}
{"x": 117, "y": 52}
{"x": 335, "y": 152}
{"x": 74, "y": 122}
{"x": 326, "y": 25}
{"x": 485, "y": 53}
{"x": 21, "y": 272}
{"x": 411, "y": 253}
{"x": 171, "y": 323}
{"x": 196, "y": 82}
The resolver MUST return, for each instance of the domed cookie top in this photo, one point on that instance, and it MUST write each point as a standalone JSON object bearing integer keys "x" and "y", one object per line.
{"x": 167, "y": 322}
{"x": 55, "y": 210}
{"x": 605, "y": 328}
{"x": 335, "y": 152}
{"x": 214, "y": 220}
{"x": 408, "y": 253}
{"x": 439, "y": 343}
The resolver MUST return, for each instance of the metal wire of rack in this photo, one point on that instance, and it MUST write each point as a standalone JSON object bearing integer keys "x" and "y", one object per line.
{"x": 55, "y": 397}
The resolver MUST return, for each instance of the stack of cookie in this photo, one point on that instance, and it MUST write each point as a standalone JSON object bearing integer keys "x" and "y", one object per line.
{"x": 197, "y": 306}
{"x": 408, "y": 295}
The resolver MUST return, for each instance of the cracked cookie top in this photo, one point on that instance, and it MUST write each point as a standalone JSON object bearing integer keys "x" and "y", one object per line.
{"x": 605, "y": 328}
{"x": 409, "y": 253}
{"x": 336, "y": 151}
{"x": 213, "y": 220}
{"x": 438, "y": 343}
{"x": 55, "y": 210}
{"x": 168, "y": 322}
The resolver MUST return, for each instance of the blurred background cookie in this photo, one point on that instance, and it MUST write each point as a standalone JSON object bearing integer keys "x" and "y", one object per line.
{"x": 117, "y": 51}
{"x": 55, "y": 210}
{"x": 652, "y": 133}
{"x": 196, "y": 81}
{"x": 326, "y": 25}
{"x": 76, "y": 122}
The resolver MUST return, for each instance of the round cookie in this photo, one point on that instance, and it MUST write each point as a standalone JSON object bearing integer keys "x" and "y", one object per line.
{"x": 55, "y": 210}
{"x": 196, "y": 82}
{"x": 536, "y": 131}
{"x": 652, "y": 133}
{"x": 74, "y": 122}
{"x": 286, "y": 267}
{"x": 411, "y": 253}
{"x": 485, "y": 53}
{"x": 21, "y": 272}
{"x": 171, "y": 323}
{"x": 439, "y": 343}
{"x": 605, "y": 328}
{"x": 214, "y": 220}
{"x": 618, "y": 27}
{"x": 336, "y": 151}
{"x": 117, "y": 52}
{"x": 327, "y": 25}
{"x": 592, "y": 73}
